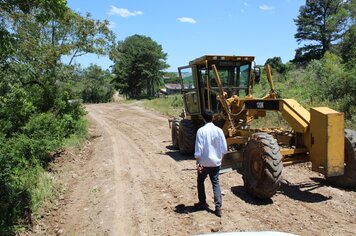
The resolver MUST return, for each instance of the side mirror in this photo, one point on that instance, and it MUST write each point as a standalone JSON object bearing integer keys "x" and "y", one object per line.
{"x": 257, "y": 73}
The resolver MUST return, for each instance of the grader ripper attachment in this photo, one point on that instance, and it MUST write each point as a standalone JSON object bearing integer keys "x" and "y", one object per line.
{"x": 224, "y": 85}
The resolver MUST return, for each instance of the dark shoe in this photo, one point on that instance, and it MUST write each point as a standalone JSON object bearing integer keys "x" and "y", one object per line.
{"x": 201, "y": 206}
{"x": 218, "y": 212}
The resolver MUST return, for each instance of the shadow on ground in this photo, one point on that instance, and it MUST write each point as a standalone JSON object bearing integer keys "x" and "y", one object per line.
{"x": 176, "y": 155}
{"x": 303, "y": 191}
{"x": 240, "y": 192}
{"x": 300, "y": 192}
{"x": 183, "y": 209}
{"x": 323, "y": 181}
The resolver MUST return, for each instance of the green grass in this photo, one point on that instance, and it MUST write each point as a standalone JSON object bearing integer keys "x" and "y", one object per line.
{"x": 169, "y": 105}
{"x": 172, "y": 105}
{"x": 77, "y": 139}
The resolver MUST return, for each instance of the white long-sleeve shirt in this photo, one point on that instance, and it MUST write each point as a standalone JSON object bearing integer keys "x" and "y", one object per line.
{"x": 210, "y": 145}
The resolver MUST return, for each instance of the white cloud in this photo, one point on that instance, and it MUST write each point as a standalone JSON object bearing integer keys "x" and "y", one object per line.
{"x": 123, "y": 12}
{"x": 245, "y": 4}
{"x": 187, "y": 20}
{"x": 111, "y": 25}
{"x": 266, "y": 7}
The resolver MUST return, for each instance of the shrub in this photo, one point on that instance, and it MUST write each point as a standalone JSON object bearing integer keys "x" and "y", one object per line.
{"x": 45, "y": 134}
{"x": 18, "y": 170}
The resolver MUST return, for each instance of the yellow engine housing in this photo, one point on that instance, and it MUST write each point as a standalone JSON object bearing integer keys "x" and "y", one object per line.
{"x": 327, "y": 141}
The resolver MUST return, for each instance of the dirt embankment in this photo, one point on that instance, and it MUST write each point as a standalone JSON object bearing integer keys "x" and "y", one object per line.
{"x": 128, "y": 181}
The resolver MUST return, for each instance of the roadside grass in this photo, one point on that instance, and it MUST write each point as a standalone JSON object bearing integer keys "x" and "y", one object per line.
{"x": 44, "y": 188}
{"x": 172, "y": 105}
{"x": 48, "y": 188}
{"x": 77, "y": 139}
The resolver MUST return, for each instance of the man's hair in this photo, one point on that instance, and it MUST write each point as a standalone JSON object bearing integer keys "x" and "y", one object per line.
{"x": 208, "y": 115}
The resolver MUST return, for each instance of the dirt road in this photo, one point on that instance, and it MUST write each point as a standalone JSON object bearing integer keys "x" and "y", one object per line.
{"x": 128, "y": 181}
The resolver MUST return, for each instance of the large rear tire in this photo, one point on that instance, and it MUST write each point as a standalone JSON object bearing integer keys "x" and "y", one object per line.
{"x": 262, "y": 165}
{"x": 175, "y": 132}
{"x": 348, "y": 180}
{"x": 187, "y": 134}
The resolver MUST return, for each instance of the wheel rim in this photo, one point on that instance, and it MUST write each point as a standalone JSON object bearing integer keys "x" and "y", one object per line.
{"x": 256, "y": 164}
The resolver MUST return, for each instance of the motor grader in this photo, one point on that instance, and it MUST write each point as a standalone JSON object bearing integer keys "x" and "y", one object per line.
{"x": 224, "y": 85}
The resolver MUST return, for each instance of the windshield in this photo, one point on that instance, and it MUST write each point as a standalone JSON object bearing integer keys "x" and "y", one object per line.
{"x": 234, "y": 76}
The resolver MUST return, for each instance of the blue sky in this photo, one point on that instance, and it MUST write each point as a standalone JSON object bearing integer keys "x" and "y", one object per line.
{"x": 188, "y": 29}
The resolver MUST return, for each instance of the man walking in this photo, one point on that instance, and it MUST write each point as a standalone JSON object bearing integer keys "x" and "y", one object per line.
{"x": 210, "y": 146}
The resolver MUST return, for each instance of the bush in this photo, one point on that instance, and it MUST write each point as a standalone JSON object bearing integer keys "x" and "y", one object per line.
{"x": 18, "y": 170}
{"x": 15, "y": 108}
{"x": 23, "y": 159}
{"x": 45, "y": 134}
{"x": 331, "y": 82}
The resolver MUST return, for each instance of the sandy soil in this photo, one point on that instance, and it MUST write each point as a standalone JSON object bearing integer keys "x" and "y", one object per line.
{"x": 127, "y": 180}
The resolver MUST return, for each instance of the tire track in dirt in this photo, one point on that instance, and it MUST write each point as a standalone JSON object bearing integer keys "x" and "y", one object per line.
{"x": 167, "y": 183}
{"x": 134, "y": 140}
{"x": 128, "y": 199}
{"x": 146, "y": 188}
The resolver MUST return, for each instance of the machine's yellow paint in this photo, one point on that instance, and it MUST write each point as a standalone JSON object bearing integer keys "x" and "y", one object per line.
{"x": 296, "y": 115}
{"x": 327, "y": 141}
{"x": 316, "y": 135}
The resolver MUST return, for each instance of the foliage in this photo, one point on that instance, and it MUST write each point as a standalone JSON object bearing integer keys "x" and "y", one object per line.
{"x": 319, "y": 24}
{"x": 38, "y": 110}
{"x": 95, "y": 85}
{"x": 15, "y": 107}
{"x": 13, "y": 11}
{"x": 276, "y": 64}
{"x": 171, "y": 105}
{"x": 171, "y": 77}
{"x": 139, "y": 62}
{"x": 80, "y": 35}
{"x": 348, "y": 46}
{"x": 331, "y": 81}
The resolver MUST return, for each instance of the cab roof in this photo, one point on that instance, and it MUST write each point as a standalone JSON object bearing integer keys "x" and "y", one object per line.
{"x": 202, "y": 60}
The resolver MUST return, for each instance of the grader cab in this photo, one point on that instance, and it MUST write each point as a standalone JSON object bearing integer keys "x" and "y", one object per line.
{"x": 224, "y": 85}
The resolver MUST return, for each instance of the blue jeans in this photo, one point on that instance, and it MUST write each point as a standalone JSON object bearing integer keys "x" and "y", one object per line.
{"x": 213, "y": 173}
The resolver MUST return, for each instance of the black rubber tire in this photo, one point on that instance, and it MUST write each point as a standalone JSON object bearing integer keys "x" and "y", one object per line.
{"x": 262, "y": 166}
{"x": 175, "y": 132}
{"x": 187, "y": 134}
{"x": 348, "y": 180}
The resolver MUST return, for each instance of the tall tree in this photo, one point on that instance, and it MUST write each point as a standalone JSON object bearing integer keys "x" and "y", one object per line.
{"x": 276, "y": 64}
{"x": 13, "y": 11}
{"x": 348, "y": 43}
{"x": 320, "y": 24}
{"x": 96, "y": 85}
{"x": 38, "y": 45}
{"x": 139, "y": 64}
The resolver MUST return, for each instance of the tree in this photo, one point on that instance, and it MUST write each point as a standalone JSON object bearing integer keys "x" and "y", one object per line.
{"x": 36, "y": 113}
{"x": 276, "y": 63}
{"x": 39, "y": 46}
{"x": 320, "y": 24}
{"x": 348, "y": 43}
{"x": 138, "y": 65}
{"x": 96, "y": 85}
{"x": 12, "y": 11}
{"x": 348, "y": 46}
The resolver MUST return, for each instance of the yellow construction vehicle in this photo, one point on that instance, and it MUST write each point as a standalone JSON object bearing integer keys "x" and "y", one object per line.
{"x": 224, "y": 85}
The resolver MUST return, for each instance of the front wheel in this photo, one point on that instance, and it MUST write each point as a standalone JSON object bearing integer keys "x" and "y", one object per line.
{"x": 348, "y": 179}
{"x": 263, "y": 166}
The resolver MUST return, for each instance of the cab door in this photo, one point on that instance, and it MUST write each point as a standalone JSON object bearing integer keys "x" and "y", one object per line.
{"x": 187, "y": 75}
